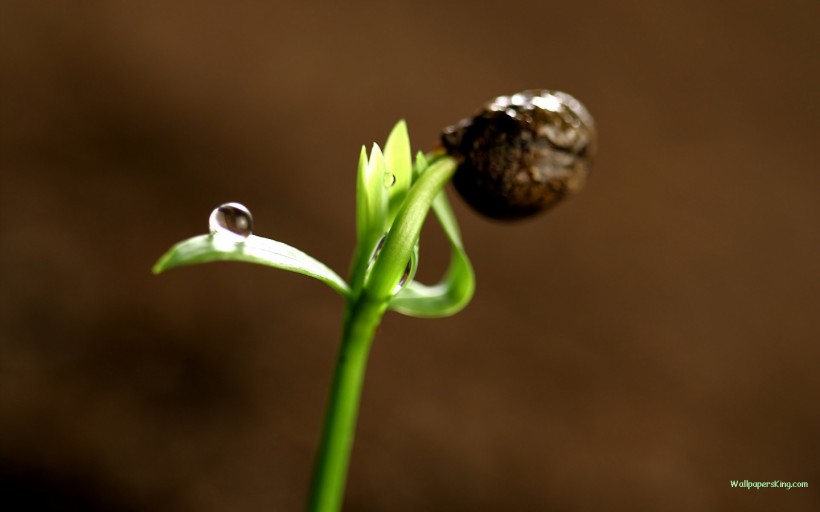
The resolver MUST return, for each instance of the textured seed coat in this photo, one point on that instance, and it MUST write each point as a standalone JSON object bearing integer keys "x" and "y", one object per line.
{"x": 522, "y": 154}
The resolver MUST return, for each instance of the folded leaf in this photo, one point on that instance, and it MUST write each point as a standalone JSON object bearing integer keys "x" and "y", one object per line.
{"x": 456, "y": 288}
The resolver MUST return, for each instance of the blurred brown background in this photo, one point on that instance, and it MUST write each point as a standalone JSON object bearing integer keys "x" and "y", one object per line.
{"x": 634, "y": 349}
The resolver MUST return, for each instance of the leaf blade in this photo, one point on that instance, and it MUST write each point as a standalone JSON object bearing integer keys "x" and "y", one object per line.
{"x": 376, "y": 193}
{"x": 456, "y": 288}
{"x": 361, "y": 196}
{"x": 398, "y": 161}
{"x": 404, "y": 232}
{"x": 256, "y": 249}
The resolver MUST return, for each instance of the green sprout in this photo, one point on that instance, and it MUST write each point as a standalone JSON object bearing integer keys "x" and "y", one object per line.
{"x": 394, "y": 193}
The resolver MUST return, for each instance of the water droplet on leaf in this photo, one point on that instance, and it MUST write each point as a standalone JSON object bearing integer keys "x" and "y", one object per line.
{"x": 389, "y": 179}
{"x": 408, "y": 270}
{"x": 404, "y": 277}
{"x": 232, "y": 222}
{"x": 376, "y": 251}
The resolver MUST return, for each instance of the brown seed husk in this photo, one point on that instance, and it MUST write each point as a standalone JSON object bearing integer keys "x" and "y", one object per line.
{"x": 522, "y": 154}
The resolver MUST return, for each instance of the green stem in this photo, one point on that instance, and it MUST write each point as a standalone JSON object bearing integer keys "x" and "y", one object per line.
{"x": 363, "y": 314}
{"x": 361, "y": 319}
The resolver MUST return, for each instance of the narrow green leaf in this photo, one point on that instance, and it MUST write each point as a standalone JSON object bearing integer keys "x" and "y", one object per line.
{"x": 398, "y": 160}
{"x": 361, "y": 196}
{"x": 259, "y": 250}
{"x": 371, "y": 205}
{"x": 376, "y": 193}
{"x": 404, "y": 233}
{"x": 455, "y": 289}
{"x": 421, "y": 165}
{"x": 445, "y": 215}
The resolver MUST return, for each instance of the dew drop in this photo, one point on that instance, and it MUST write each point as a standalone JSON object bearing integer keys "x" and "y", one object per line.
{"x": 389, "y": 179}
{"x": 408, "y": 270}
{"x": 376, "y": 251}
{"x": 404, "y": 277}
{"x": 231, "y": 221}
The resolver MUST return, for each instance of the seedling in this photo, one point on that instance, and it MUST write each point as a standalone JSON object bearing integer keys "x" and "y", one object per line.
{"x": 518, "y": 155}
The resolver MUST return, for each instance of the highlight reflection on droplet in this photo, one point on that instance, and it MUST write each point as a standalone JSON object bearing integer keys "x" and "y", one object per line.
{"x": 389, "y": 179}
{"x": 408, "y": 270}
{"x": 231, "y": 222}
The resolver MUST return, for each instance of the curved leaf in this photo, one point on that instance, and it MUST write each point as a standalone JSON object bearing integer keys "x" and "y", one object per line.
{"x": 256, "y": 249}
{"x": 456, "y": 288}
{"x": 404, "y": 232}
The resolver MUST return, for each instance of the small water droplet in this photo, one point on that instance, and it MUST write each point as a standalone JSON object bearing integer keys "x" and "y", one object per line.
{"x": 408, "y": 270}
{"x": 376, "y": 251}
{"x": 389, "y": 179}
{"x": 404, "y": 277}
{"x": 231, "y": 221}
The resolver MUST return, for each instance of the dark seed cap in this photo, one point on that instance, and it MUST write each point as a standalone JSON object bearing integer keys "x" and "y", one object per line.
{"x": 523, "y": 153}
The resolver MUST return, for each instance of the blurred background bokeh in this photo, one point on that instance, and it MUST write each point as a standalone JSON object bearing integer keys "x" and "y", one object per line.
{"x": 634, "y": 349}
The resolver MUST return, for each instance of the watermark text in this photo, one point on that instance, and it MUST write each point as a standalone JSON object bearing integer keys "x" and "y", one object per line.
{"x": 769, "y": 484}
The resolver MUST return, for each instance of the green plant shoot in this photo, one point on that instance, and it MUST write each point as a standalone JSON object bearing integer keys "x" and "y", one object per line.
{"x": 394, "y": 194}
